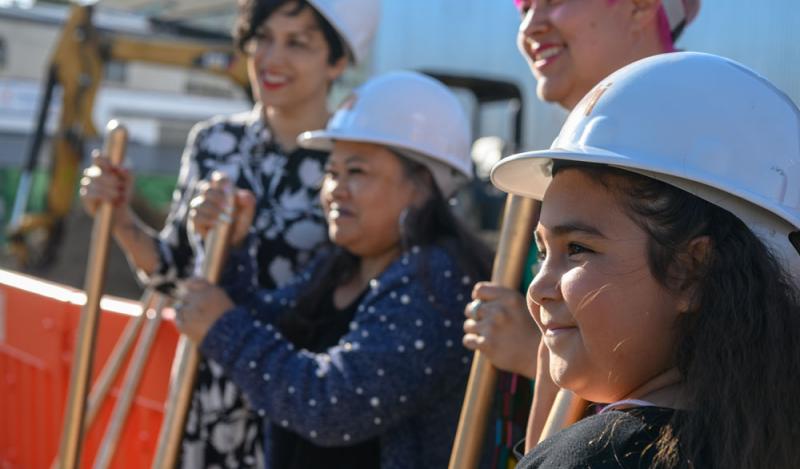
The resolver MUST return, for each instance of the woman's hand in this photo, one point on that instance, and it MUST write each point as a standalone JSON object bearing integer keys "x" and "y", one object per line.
{"x": 104, "y": 182}
{"x": 499, "y": 325}
{"x": 209, "y": 204}
{"x": 199, "y": 305}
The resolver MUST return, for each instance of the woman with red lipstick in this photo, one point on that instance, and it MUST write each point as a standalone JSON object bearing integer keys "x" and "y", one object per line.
{"x": 295, "y": 49}
{"x": 355, "y": 364}
{"x": 669, "y": 268}
{"x": 570, "y": 46}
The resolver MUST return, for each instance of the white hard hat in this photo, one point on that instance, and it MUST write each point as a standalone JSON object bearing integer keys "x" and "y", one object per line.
{"x": 410, "y": 113}
{"x": 355, "y": 20}
{"x": 700, "y": 122}
{"x": 680, "y": 12}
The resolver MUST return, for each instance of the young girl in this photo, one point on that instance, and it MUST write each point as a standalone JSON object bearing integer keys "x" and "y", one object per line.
{"x": 668, "y": 283}
{"x": 570, "y": 45}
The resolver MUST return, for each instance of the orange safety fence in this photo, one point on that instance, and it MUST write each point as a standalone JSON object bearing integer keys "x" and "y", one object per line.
{"x": 38, "y": 321}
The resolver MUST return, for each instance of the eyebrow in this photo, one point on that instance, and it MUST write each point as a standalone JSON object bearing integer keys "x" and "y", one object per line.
{"x": 355, "y": 159}
{"x": 572, "y": 227}
{"x": 308, "y": 29}
{"x": 349, "y": 159}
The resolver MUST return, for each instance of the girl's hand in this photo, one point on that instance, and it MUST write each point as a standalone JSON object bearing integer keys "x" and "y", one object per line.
{"x": 199, "y": 304}
{"x": 499, "y": 325}
{"x": 544, "y": 395}
{"x": 209, "y": 204}
{"x": 104, "y": 182}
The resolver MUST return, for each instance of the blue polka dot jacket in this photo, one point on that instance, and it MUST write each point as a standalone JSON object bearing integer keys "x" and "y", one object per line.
{"x": 399, "y": 374}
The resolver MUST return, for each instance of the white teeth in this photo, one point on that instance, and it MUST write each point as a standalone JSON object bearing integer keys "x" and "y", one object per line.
{"x": 549, "y": 52}
{"x": 274, "y": 79}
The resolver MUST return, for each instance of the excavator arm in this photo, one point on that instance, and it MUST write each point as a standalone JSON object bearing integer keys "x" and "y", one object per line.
{"x": 77, "y": 67}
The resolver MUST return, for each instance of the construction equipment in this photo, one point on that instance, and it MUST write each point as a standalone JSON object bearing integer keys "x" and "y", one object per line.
{"x": 77, "y": 67}
{"x": 481, "y": 204}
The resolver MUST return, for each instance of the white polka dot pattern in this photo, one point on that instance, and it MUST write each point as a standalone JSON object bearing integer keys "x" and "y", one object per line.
{"x": 400, "y": 354}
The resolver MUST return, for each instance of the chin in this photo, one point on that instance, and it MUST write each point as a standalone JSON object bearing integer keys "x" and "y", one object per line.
{"x": 549, "y": 93}
{"x": 573, "y": 376}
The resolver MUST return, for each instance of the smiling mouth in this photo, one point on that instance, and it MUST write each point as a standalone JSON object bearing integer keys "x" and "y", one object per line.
{"x": 338, "y": 213}
{"x": 273, "y": 81}
{"x": 544, "y": 56}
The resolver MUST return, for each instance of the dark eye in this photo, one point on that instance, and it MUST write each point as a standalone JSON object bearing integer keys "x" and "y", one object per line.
{"x": 541, "y": 254}
{"x": 355, "y": 171}
{"x": 575, "y": 249}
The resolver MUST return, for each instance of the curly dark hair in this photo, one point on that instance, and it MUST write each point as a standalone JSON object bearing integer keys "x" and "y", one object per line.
{"x": 253, "y": 13}
{"x": 737, "y": 348}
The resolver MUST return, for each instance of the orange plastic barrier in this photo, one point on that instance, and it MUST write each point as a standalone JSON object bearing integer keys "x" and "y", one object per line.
{"x": 38, "y": 321}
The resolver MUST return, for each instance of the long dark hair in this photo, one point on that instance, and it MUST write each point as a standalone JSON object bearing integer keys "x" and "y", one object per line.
{"x": 738, "y": 350}
{"x": 253, "y": 13}
{"x": 431, "y": 224}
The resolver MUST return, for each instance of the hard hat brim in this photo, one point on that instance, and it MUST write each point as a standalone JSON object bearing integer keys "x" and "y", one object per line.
{"x": 529, "y": 174}
{"x": 323, "y": 140}
{"x": 316, "y": 140}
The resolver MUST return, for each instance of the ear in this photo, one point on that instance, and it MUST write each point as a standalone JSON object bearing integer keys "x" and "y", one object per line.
{"x": 335, "y": 70}
{"x": 645, "y": 13}
{"x": 692, "y": 262}
{"x": 424, "y": 182}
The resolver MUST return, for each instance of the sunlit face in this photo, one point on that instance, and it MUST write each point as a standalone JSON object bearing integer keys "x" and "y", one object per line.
{"x": 364, "y": 191}
{"x": 288, "y": 60}
{"x": 571, "y": 45}
{"x": 606, "y": 321}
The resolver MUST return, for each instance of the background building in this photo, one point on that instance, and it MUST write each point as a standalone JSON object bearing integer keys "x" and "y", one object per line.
{"x": 464, "y": 38}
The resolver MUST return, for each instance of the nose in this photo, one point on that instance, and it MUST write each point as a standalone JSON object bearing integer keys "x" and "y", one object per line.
{"x": 535, "y": 22}
{"x": 333, "y": 189}
{"x": 546, "y": 285}
{"x": 270, "y": 54}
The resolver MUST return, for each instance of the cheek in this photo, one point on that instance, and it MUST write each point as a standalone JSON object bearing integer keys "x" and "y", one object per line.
{"x": 252, "y": 75}
{"x": 563, "y": 17}
{"x": 325, "y": 192}
{"x": 580, "y": 29}
{"x": 627, "y": 318}
{"x": 533, "y": 308}
{"x": 315, "y": 67}
{"x": 359, "y": 190}
{"x": 521, "y": 45}
{"x": 592, "y": 301}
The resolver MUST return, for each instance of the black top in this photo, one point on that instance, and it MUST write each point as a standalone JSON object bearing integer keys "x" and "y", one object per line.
{"x": 613, "y": 439}
{"x": 290, "y": 450}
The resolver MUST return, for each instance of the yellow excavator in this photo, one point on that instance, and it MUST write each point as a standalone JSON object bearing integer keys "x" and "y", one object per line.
{"x": 77, "y": 66}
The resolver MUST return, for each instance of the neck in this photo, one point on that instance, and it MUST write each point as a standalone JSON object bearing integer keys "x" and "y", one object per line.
{"x": 371, "y": 266}
{"x": 287, "y": 123}
{"x": 663, "y": 390}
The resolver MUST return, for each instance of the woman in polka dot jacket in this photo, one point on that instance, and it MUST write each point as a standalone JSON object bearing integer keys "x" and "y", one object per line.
{"x": 357, "y": 363}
